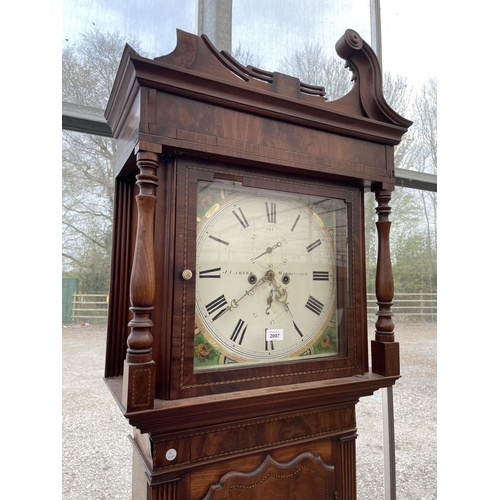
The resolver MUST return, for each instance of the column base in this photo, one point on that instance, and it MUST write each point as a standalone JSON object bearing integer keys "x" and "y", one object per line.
{"x": 385, "y": 358}
{"x": 138, "y": 386}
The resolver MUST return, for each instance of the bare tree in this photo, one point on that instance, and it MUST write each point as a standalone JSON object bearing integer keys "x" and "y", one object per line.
{"x": 412, "y": 213}
{"x": 398, "y": 94}
{"x": 425, "y": 115}
{"x": 311, "y": 65}
{"x": 89, "y": 68}
{"x": 245, "y": 57}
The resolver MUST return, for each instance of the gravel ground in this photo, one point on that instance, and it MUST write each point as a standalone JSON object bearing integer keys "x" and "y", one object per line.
{"x": 97, "y": 454}
{"x": 415, "y": 422}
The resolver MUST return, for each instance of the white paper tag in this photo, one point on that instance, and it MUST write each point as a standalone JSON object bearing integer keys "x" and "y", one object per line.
{"x": 274, "y": 334}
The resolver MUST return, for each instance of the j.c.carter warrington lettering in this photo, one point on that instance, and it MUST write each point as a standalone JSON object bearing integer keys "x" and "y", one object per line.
{"x": 245, "y": 273}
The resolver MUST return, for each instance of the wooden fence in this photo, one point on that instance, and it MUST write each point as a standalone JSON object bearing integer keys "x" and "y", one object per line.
{"x": 407, "y": 306}
{"x": 90, "y": 308}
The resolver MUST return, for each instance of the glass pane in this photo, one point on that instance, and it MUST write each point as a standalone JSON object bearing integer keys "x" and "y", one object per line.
{"x": 413, "y": 248}
{"x": 410, "y": 79}
{"x": 290, "y": 37}
{"x": 95, "y": 33}
{"x": 255, "y": 275}
{"x": 414, "y": 259}
{"x": 409, "y": 34}
{"x": 88, "y": 164}
{"x": 151, "y": 22}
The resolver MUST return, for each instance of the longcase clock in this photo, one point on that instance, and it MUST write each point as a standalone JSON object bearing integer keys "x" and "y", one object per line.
{"x": 237, "y": 340}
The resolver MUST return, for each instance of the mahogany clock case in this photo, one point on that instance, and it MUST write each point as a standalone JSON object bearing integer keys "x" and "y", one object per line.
{"x": 196, "y": 119}
{"x": 197, "y": 115}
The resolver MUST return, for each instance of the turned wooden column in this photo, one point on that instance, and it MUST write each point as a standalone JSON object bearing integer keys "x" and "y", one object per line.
{"x": 139, "y": 367}
{"x": 385, "y": 352}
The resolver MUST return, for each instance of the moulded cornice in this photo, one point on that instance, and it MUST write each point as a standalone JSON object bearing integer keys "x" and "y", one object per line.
{"x": 196, "y": 69}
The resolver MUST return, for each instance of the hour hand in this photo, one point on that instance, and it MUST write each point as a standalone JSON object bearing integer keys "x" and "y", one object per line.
{"x": 267, "y": 250}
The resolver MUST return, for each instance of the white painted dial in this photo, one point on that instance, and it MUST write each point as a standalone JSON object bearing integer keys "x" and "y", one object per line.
{"x": 265, "y": 277}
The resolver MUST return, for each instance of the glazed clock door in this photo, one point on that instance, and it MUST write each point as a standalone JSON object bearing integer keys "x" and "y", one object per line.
{"x": 266, "y": 293}
{"x": 266, "y": 276}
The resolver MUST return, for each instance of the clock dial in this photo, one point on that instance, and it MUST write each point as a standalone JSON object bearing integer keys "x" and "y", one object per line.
{"x": 265, "y": 276}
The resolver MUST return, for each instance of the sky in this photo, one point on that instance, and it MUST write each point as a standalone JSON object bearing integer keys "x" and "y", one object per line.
{"x": 154, "y": 22}
{"x": 409, "y": 38}
{"x": 271, "y": 29}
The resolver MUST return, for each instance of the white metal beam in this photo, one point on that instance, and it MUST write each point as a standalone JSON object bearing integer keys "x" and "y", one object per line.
{"x": 215, "y": 21}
